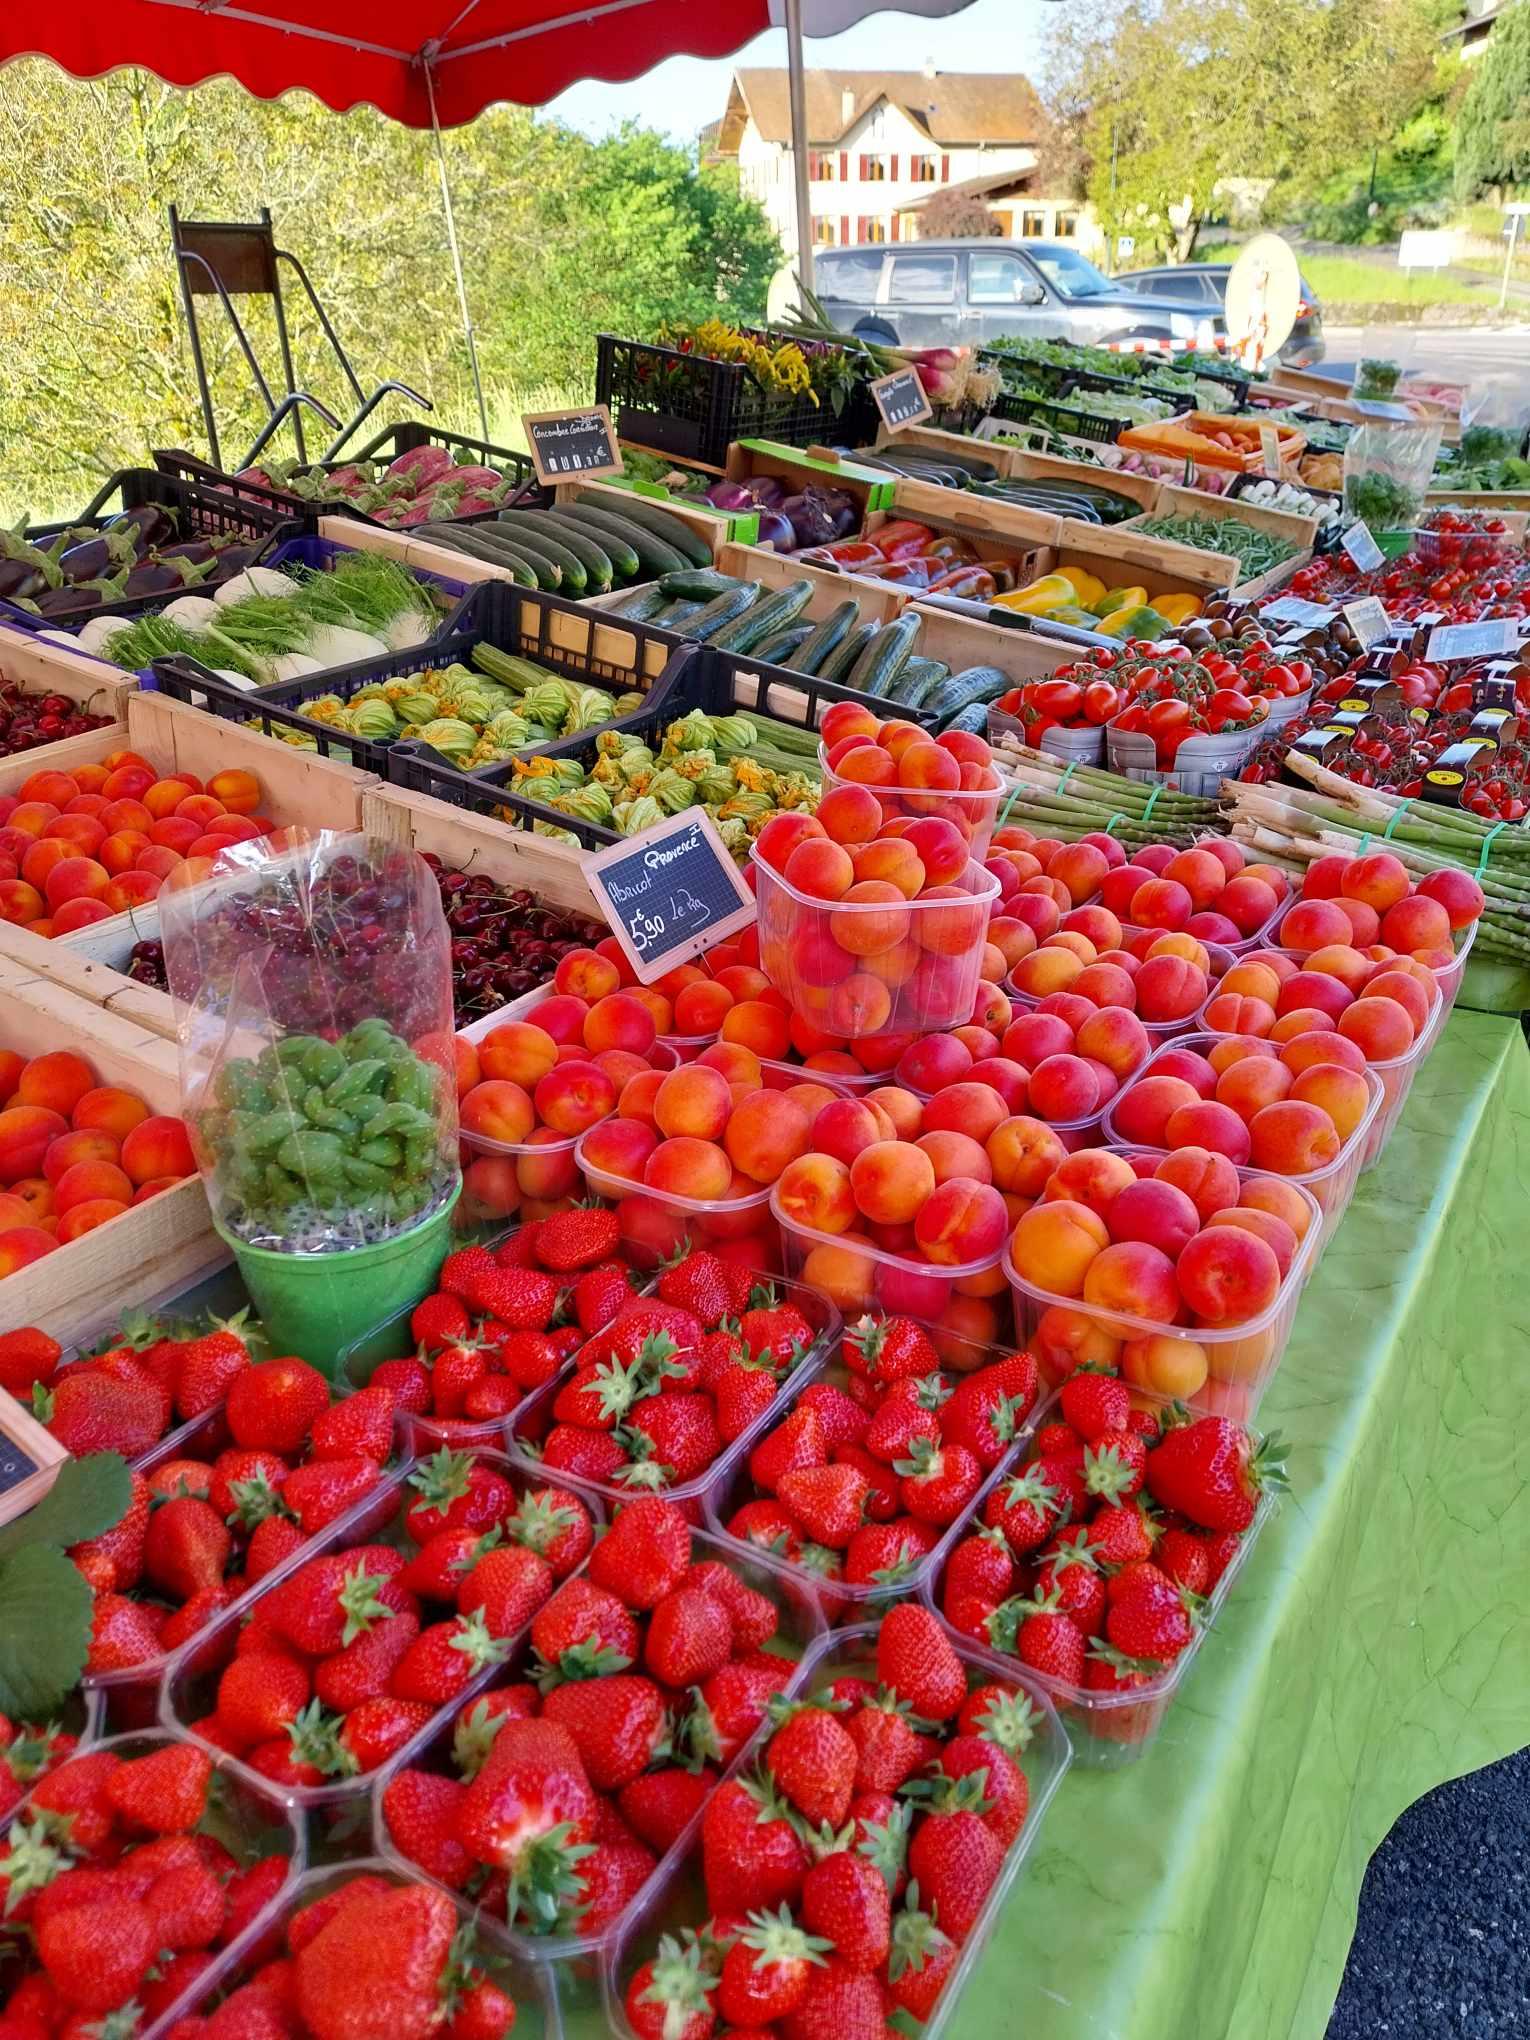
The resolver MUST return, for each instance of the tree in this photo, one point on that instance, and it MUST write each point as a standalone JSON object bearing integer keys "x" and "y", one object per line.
{"x": 1173, "y": 99}
{"x": 561, "y": 237}
{"x": 957, "y": 216}
{"x": 1493, "y": 139}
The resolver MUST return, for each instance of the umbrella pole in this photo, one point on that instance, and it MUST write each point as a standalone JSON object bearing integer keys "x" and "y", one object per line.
{"x": 451, "y": 242}
{"x": 797, "y": 94}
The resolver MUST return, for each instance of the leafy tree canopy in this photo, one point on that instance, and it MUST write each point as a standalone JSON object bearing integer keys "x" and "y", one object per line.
{"x": 1493, "y": 140}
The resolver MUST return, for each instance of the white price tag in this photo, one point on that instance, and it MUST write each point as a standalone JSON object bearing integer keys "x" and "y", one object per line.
{"x": 1449, "y": 642}
{"x": 1362, "y": 548}
{"x": 1368, "y": 619}
{"x": 1269, "y": 448}
{"x": 1292, "y": 609}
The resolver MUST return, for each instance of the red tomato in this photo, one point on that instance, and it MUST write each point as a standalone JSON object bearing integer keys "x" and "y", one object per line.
{"x": 1101, "y": 702}
{"x": 1062, "y": 700}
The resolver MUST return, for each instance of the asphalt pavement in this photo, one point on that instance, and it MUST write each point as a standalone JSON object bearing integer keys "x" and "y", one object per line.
{"x": 1442, "y": 1943}
{"x": 1455, "y": 353}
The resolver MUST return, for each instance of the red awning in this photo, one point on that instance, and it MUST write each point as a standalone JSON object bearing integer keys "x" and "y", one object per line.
{"x": 371, "y": 52}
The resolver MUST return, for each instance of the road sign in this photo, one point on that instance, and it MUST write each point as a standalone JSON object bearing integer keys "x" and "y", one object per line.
{"x": 1426, "y": 248}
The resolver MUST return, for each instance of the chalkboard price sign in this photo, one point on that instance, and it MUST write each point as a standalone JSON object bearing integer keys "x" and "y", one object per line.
{"x": 572, "y": 445}
{"x": 30, "y": 1458}
{"x": 901, "y": 399}
{"x": 670, "y": 893}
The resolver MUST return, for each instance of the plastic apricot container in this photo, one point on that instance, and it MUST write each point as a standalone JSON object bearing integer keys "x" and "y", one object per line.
{"x": 856, "y": 1275}
{"x": 1447, "y": 976}
{"x": 1220, "y": 958}
{"x": 852, "y": 968}
{"x": 654, "y": 1222}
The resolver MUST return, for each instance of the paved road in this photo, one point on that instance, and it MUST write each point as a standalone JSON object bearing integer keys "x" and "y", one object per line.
{"x": 1447, "y": 351}
{"x": 1442, "y": 1944}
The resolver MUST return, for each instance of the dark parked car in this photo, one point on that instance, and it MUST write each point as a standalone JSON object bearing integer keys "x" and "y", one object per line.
{"x": 1204, "y": 285}
{"x": 969, "y": 293}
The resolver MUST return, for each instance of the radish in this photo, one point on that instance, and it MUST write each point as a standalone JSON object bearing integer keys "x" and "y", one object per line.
{"x": 475, "y": 502}
{"x": 421, "y": 464}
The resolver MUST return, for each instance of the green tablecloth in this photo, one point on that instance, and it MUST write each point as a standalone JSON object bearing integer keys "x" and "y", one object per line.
{"x": 1377, "y": 1643}
{"x": 1492, "y": 987}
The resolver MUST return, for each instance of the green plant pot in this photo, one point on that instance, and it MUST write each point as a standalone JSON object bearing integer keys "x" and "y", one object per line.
{"x": 316, "y": 1305}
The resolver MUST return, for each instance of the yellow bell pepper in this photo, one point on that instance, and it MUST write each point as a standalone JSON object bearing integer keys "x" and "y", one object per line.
{"x": 1177, "y": 608}
{"x": 1088, "y": 587}
{"x": 1040, "y": 596}
{"x": 1119, "y": 598}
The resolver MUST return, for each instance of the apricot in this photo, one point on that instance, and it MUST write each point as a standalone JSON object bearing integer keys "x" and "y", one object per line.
{"x": 91, "y": 1179}
{"x": 695, "y": 1100}
{"x": 971, "y": 1108}
{"x": 1023, "y": 1153}
{"x": 1457, "y": 892}
{"x": 1170, "y": 988}
{"x": 941, "y": 847}
{"x": 32, "y": 817}
{"x": 820, "y": 869}
{"x": 1208, "y": 1124}
{"x": 1119, "y": 886}
{"x": 895, "y": 966}
{"x": 891, "y": 1180}
{"x": 1160, "y": 903}
{"x": 962, "y": 1220}
{"x": 1209, "y": 1180}
{"x": 844, "y": 1274}
{"x": 1166, "y": 1365}
{"x": 1265, "y": 1225}
{"x": 1033, "y": 1036}
{"x": 1066, "y": 1339}
{"x": 783, "y": 833}
{"x": 1081, "y": 868}
{"x": 573, "y": 1096}
{"x": 900, "y": 1108}
{"x": 20, "y": 1245}
{"x": 1011, "y": 937}
{"x": 1040, "y": 914}
{"x": 1104, "y": 984}
{"x": 1248, "y": 902}
{"x": 1312, "y": 990}
{"x": 1415, "y": 997}
{"x": 1364, "y": 921}
{"x": 1416, "y": 923}
{"x": 1227, "y": 1274}
{"x": 953, "y": 1153}
{"x": 1195, "y": 1070}
{"x": 1282, "y": 1200}
{"x": 40, "y": 858}
{"x": 20, "y": 903}
{"x": 1181, "y": 943}
{"x": 585, "y": 974}
{"x": 1378, "y": 879}
{"x": 1295, "y": 1025}
{"x": 851, "y": 814}
{"x": 1293, "y": 1138}
{"x": 1315, "y": 924}
{"x": 754, "y": 1025}
{"x": 814, "y": 1191}
{"x": 1144, "y": 1109}
{"x": 1250, "y": 980}
{"x": 1135, "y": 1279}
{"x": 1092, "y": 1176}
{"x": 550, "y": 1174}
{"x": 860, "y": 1004}
{"x": 518, "y": 1052}
{"x": 620, "y": 1147}
{"x": 620, "y": 1020}
{"x": 1009, "y": 1078}
{"x": 1381, "y": 1026}
{"x": 1342, "y": 1093}
{"x": 1200, "y": 872}
{"x": 952, "y": 928}
{"x": 765, "y": 1132}
{"x": 26, "y": 1133}
{"x": 1156, "y": 1213}
{"x": 1064, "y": 1089}
{"x": 1251, "y": 1084}
{"x": 688, "y": 1167}
{"x": 932, "y": 1062}
{"x": 1054, "y": 1244}
{"x": 57, "y": 1080}
{"x": 843, "y": 1128}
{"x": 894, "y": 861}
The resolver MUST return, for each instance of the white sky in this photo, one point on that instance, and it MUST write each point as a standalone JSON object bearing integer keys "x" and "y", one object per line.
{"x": 682, "y": 95}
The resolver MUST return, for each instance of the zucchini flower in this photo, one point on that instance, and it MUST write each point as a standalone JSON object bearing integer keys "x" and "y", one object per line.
{"x": 750, "y": 775}
{"x": 671, "y": 791}
{"x": 547, "y": 702}
{"x": 327, "y": 708}
{"x": 591, "y": 707}
{"x": 508, "y": 730}
{"x": 747, "y": 806}
{"x": 637, "y": 764}
{"x": 632, "y": 817}
{"x": 543, "y": 829}
{"x": 796, "y": 790}
{"x": 715, "y": 786}
{"x": 373, "y": 718}
{"x": 735, "y": 833}
{"x": 628, "y": 703}
{"x": 452, "y": 738}
{"x": 733, "y": 733}
{"x": 589, "y": 803}
{"x": 692, "y": 733}
{"x": 691, "y": 764}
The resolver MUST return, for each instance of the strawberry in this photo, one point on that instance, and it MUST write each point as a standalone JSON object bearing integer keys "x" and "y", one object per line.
{"x": 755, "y": 1616}
{"x": 617, "y": 1724}
{"x": 671, "y": 1439}
{"x": 376, "y": 1730}
{"x": 840, "y": 2003}
{"x": 915, "y": 1660}
{"x": 377, "y": 1965}
{"x": 437, "y": 1569}
{"x": 582, "y": 1631}
{"x": 1221, "y": 1549}
{"x": 260, "y": 1696}
{"x": 1024, "y": 1507}
{"x": 1121, "y": 1532}
{"x": 795, "y": 1443}
{"x": 1185, "y": 1558}
{"x": 731, "y": 1705}
{"x": 651, "y": 1318}
{"x": 1070, "y": 1568}
{"x": 27, "y": 1356}
{"x": 530, "y": 1360}
{"x": 271, "y": 1544}
{"x": 407, "y": 1381}
{"x": 164, "y": 1793}
{"x": 445, "y": 1657}
{"x": 697, "y": 1282}
{"x": 938, "y": 1481}
{"x": 608, "y": 1881}
{"x": 643, "y": 1555}
{"x": 984, "y": 1418}
{"x": 97, "y": 1955}
{"x": 359, "y": 1426}
{"x": 954, "y": 1859}
{"x": 845, "y": 1899}
{"x": 506, "y": 1586}
{"x": 660, "y": 1805}
{"x": 90, "y": 1410}
{"x": 589, "y": 1455}
{"x": 1114, "y": 1464}
{"x": 827, "y": 1502}
{"x": 765, "y": 1973}
{"x": 1001, "y": 1717}
{"x": 121, "y": 1548}
{"x": 840, "y": 1421}
{"x": 460, "y": 1270}
{"x": 522, "y": 1298}
{"x": 244, "y": 1485}
{"x": 767, "y": 1525}
{"x": 752, "y": 1857}
{"x": 171, "y": 1982}
{"x": 1040, "y": 1635}
{"x": 921, "y": 1959}
{"x": 889, "y": 1749}
{"x": 531, "y": 1812}
{"x": 888, "y": 1349}
{"x": 456, "y": 1492}
{"x": 421, "y": 1813}
{"x": 187, "y": 1907}
{"x": 812, "y": 1759}
{"x": 883, "y": 1493}
{"x": 554, "y": 1524}
{"x": 743, "y": 1396}
{"x": 714, "y": 1355}
{"x": 208, "y": 1365}
{"x": 187, "y": 1548}
{"x": 123, "y": 1633}
{"x": 333, "y": 1598}
{"x": 480, "y": 1721}
{"x": 670, "y": 1997}
{"x": 318, "y": 1495}
{"x": 456, "y": 1369}
{"x": 1213, "y": 1471}
{"x": 275, "y": 1404}
{"x": 979, "y": 1566}
{"x": 1058, "y": 1440}
{"x": 777, "y": 1335}
{"x": 174, "y": 1478}
{"x": 440, "y": 1318}
{"x": 599, "y": 1393}
{"x": 519, "y": 1248}
{"x": 1155, "y": 1621}
{"x": 305, "y": 1925}
{"x": 577, "y": 1238}
{"x": 746, "y": 1284}
{"x": 690, "y": 1634}
{"x": 599, "y": 1294}
{"x": 1094, "y": 1402}
{"x": 363, "y": 1668}
{"x": 885, "y": 1554}
{"x": 1000, "y": 1795}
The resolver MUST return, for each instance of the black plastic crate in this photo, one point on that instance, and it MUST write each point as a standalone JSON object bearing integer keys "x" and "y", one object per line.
{"x": 385, "y": 446}
{"x": 1058, "y": 416}
{"x": 513, "y": 619}
{"x": 694, "y": 408}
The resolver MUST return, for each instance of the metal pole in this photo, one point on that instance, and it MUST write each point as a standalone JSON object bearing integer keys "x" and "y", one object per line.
{"x": 1508, "y": 260}
{"x": 797, "y": 94}
{"x": 451, "y": 242}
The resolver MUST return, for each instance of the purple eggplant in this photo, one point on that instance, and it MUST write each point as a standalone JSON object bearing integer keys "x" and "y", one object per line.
{"x": 165, "y": 577}
{"x": 98, "y": 556}
{"x": 81, "y": 595}
{"x": 809, "y": 519}
{"x": 234, "y": 559}
{"x": 725, "y": 495}
{"x": 14, "y": 550}
{"x": 767, "y": 490}
{"x": 196, "y": 552}
{"x": 18, "y": 580}
{"x": 776, "y": 532}
{"x": 147, "y": 526}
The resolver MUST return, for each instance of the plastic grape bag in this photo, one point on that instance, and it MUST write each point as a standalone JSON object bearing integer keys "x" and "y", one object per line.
{"x": 312, "y": 981}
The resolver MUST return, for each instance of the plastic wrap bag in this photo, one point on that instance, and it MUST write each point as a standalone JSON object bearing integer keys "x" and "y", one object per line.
{"x": 1387, "y": 466}
{"x": 312, "y": 980}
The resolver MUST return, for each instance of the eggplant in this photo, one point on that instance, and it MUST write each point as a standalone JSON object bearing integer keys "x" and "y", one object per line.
{"x": 233, "y": 559}
{"x": 726, "y": 495}
{"x": 767, "y": 490}
{"x": 97, "y": 556}
{"x": 148, "y": 525}
{"x": 196, "y": 552}
{"x": 15, "y": 548}
{"x": 809, "y": 518}
{"x": 776, "y": 532}
{"x": 163, "y": 577}
{"x": 18, "y": 580}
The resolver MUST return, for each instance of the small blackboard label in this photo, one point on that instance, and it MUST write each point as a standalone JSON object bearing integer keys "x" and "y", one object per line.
{"x": 15, "y": 1465}
{"x": 572, "y": 445}
{"x": 670, "y": 893}
{"x": 901, "y": 399}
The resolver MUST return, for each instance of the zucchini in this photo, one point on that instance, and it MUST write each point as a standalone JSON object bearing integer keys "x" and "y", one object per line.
{"x": 538, "y": 531}
{"x": 698, "y": 584}
{"x": 833, "y": 631}
{"x": 917, "y": 678}
{"x": 594, "y": 557}
{"x": 722, "y": 610}
{"x": 879, "y": 665}
{"x": 625, "y": 563}
{"x": 515, "y": 565}
{"x": 844, "y": 655}
{"x": 777, "y": 649}
{"x": 964, "y": 689}
{"x": 642, "y": 605}
{"x": 664, "y": 525}
{"x": 774, "y": 613}
{"x": 654, "y": 556}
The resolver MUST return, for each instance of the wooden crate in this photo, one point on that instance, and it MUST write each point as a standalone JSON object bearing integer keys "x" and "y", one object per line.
{"x": 165, "y": 1244}
{"x": 715, "y": 528}
{"x": 1122, "y": 557}
{"x": 408, "y": 550}
{"x": 470, "y": 842}
{"x": 750, "y": 458}
{"x": 1298, "y": 531}
{"x": 983, "y": 519}
{"x": 42, "y": 666}
{"x": 963, "y": 641}
{"x": 1515, "y": 503}
{"x": 1037, "y": 467}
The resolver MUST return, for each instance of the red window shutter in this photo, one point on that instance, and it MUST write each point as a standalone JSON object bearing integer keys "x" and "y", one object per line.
{"x": 897, "y": 224}
{"x": 844, "y": 167}
{"x": 892, "y": 169}
{"x": 844, "y": 230}
{"x": 945, "y": 169}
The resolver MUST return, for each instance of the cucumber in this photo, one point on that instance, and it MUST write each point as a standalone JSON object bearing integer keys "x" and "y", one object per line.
{"x": 515, "y": 565}
{"x": 833, "y": 630}
{"x": 774, "y": 613}
{"x": 837, "y": 665}
{"x": 698, "y": 584}
{"x": 487, "y": 546}
{"x": 777, "y": 649}
{"x": 974, "y": 719}
{"x": 654, "y": 556}
{"x": 596, "y": 560}
{"x": 917, "y": 678}
{"x": 877, "y": 667}
{"x": 540, "y": 532}
{"x": 676, "y": 615}
{"x": 664, "y": 525}
{"x": 964, "y": 690}
{"x": 624, "y": 561}
{"x": 642, "y": 605}
{"x": 721, "y": 611}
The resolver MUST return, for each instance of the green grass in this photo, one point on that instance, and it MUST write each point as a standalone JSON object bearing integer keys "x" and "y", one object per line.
{"x": 508, "y": 406}
{"x": 1344, "y": 279}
